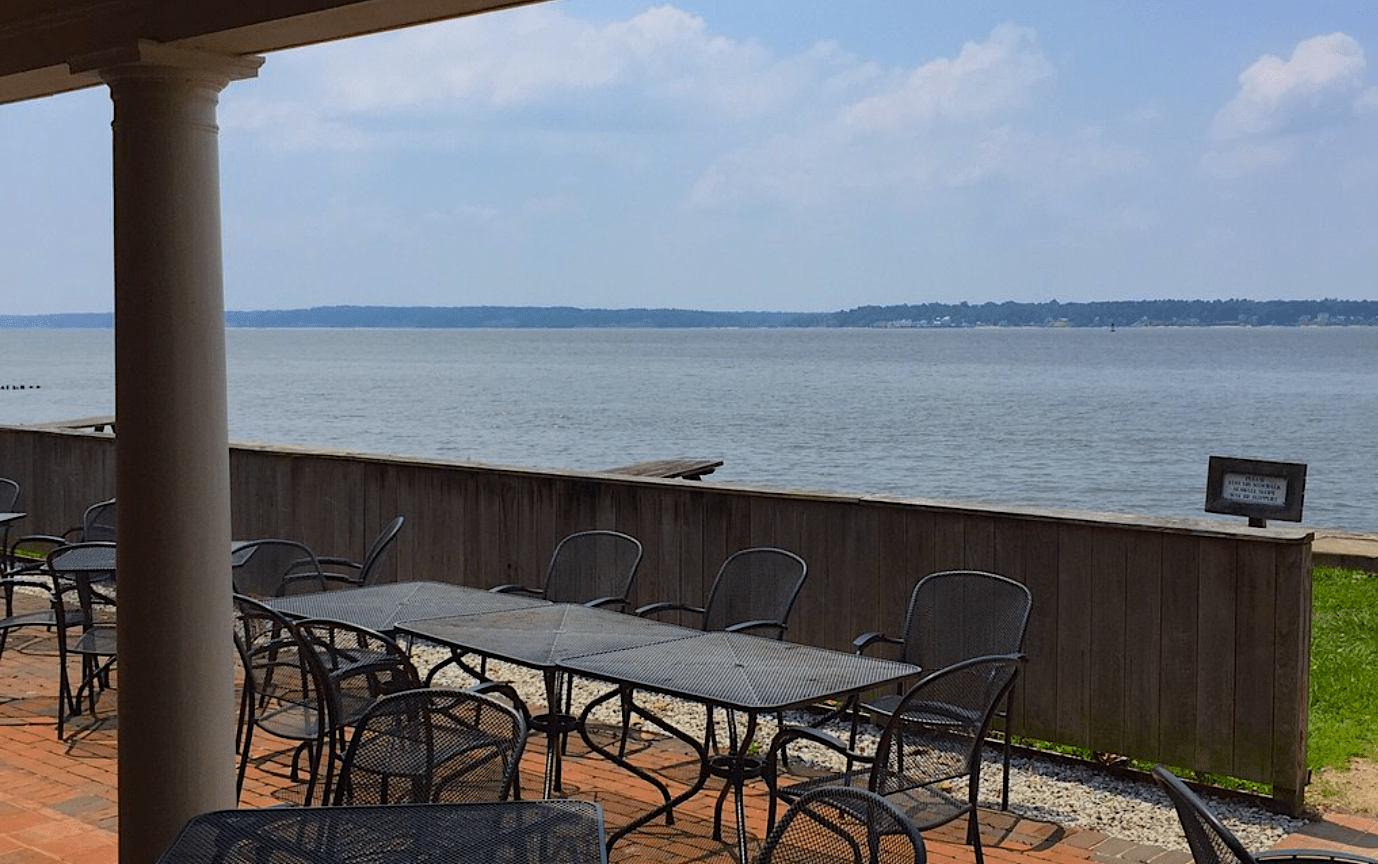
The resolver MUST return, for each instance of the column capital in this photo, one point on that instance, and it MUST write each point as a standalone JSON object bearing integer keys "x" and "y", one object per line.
{"x": 147, "y": 55}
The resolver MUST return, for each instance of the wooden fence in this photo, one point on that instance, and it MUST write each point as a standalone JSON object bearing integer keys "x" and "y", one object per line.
{"x": 1185, "y": 642}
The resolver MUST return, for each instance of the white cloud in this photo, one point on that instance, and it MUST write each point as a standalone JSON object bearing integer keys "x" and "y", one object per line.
{"x": 948, "y": 123}
{"x": 662, "y": 60}
{"x": 803, "y": 128}
{"x": 1276, "y": 95}
{"x": 984, "y": 79}
{"x": 1281, "y": 101}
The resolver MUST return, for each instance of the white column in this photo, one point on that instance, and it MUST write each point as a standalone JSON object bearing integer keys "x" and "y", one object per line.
{"x": 176, "y": 658}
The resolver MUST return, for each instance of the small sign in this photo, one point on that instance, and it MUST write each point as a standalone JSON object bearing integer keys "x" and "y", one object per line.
{"x": 1256, "y": 489}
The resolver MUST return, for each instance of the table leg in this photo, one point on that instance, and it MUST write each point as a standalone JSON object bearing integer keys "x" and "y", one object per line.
{"x": 735, "y": 767}
{"x": 668, "y": 807}
{"x": 557, "y": 725}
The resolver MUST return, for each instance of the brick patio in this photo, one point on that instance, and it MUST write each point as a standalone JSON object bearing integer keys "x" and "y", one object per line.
{"x": 58, "y": 798}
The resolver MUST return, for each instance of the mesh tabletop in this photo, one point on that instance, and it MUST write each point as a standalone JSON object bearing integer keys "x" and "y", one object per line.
{"x": 513, "y": 832}
{"x": 381, "y": 607}
{"x": 735, "y": 670}
{"x": 98, "y": 558}
{"x": 543, "y": 636}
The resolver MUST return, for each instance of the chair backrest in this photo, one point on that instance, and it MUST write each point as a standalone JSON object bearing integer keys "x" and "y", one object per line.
{"x": 590, "y": 566}
{"x": 957, "y": 614}
{"x": 9, "y": 495}
{"x": 1210, "y": 841}
{"x": 359, "y": 664}
{"x": 266, "y": 562}
{"x": 98, "y": 522}
{"x": 842, "y": 825}
{"x": 938, "y": 728}
{"x": 368, "y": 571}
{"x": 432, "y": 744}
{"x": 755, "y": 587}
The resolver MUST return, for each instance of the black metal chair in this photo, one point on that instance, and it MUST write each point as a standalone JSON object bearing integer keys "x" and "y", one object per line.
{"x": 1212, "y": 843}
{"x": 265, "y": 566}
{"x": 9, "y": 501}
{"x": 307, "y": 682}
{"x": 27, "y": 578}
{"x": 842, "y": 825}
{"x": 594, "y": 568}
{"x": 955, "y": 615}
{"x": 97, "y": 524}
{"x": 357, "y": 667}
{"x": 753, "y": 592}
{"x": 26, "y": 572}
{"x": 283, "y": 691}
{"x": 934, "y": 738}
{"x": 433, "y": 744}
{"x": 82, "y": 580}
{"x": 340, "y": 572}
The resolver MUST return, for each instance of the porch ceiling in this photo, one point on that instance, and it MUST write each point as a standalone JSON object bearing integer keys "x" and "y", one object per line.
{"x": 38, "y": 38}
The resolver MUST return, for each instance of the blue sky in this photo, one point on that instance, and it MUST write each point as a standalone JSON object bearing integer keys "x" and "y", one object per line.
{"x": 762, "y": 154}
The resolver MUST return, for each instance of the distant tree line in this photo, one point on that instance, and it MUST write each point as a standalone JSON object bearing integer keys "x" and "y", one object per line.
{"x": 1118, "y": 313}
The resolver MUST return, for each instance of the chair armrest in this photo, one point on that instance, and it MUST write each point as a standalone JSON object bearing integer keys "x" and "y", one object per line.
{"x": 319, "y": 578}
{"x": 306, "y": 565}
{"x": 516, "y": 589}
{"x": 745, "y": 626}
{"x": 790, "y": 734}
{"x": 24, "y": 564}
{"x": 335, "y": 561}
{"x": 606, "y": 601}
{"x": 666, "y": 606}
{"x": 508, "y": 692}
{"x": 869, "y": 638}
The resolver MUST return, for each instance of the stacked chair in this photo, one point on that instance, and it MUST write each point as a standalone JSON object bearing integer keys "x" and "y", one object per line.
{"x": 83, "y": 603}
{"x": 309, "y": 682}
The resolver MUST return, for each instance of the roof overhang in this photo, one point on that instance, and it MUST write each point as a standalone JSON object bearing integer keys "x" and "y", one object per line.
{"x": 38, "y": 38}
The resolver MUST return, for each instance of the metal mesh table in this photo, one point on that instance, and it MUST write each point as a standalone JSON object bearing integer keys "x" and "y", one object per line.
{"x": 511, "y": 832}
{"x": 736, "y": 672}
{"x": 541, "y": 637}
{"x": 381, "y": 607}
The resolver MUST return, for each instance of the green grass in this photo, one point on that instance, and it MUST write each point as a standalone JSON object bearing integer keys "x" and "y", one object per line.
{"x": 1343, "y": 709}
{"x": 1343, "y": 713}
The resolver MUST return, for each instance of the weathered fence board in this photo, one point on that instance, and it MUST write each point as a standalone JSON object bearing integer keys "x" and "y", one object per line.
{"x": 1168, "y": 640}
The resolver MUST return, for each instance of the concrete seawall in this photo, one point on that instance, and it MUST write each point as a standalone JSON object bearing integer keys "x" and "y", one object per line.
{"x": 1336, "y": 549}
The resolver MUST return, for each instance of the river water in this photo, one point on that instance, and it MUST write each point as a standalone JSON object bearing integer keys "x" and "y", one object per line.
{"x": 1071, "y": 418}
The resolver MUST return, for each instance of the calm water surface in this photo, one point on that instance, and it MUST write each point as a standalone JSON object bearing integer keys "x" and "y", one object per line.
{"x": 1122, "y": 421}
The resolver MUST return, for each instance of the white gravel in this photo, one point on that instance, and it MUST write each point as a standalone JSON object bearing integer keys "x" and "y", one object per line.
{"x": 1074, "y": 795}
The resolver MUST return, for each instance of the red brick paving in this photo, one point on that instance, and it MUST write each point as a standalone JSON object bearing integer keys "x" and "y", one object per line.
{"x": 58, "y": 798}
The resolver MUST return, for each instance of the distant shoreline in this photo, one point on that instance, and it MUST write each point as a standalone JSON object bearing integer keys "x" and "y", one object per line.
{"x": 1114, "y": 314}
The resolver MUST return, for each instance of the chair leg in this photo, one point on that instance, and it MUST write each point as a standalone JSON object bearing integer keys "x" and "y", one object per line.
{"x": 1005, "y": 779}
{"x": 974, "y": 837}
